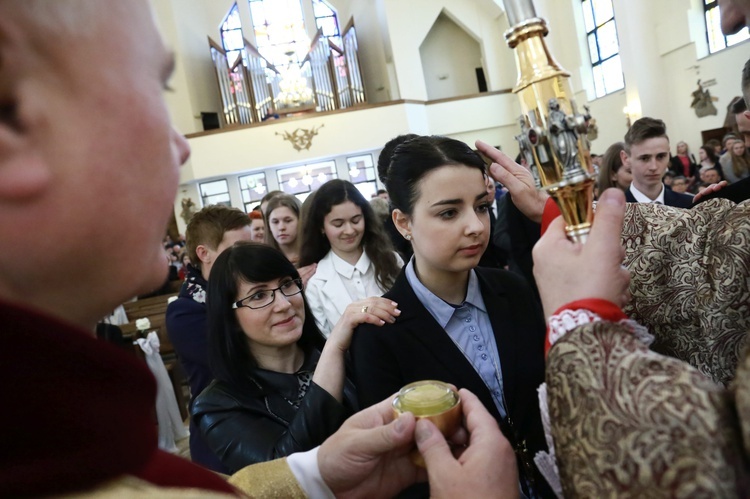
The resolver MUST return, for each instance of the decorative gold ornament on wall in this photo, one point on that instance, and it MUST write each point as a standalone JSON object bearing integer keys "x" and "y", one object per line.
{"x": 301, "y": 138}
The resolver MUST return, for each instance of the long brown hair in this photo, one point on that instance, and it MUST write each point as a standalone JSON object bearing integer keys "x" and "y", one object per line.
{"x": 611, "y": 163}
{"x": 375, "y": 242}
{"x": 740, "y": 164}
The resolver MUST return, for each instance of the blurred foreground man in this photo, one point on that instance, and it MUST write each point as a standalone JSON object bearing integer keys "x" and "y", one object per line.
{"x": 88, "y": 174}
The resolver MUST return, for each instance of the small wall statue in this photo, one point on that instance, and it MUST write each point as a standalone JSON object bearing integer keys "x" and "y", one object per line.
{"x": 703, "y": 103}
{"x": 188, "y": 210}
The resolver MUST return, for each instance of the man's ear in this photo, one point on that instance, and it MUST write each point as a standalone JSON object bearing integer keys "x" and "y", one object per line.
{"x": 402, "y": 221}
{"x": 624, "y": 156}
{"x": 203, "y": 253}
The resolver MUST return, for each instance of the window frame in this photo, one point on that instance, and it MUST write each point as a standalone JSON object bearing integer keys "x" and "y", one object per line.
{"x": 251, "y": 196}
{"x": 708, "y": 6}
{"x": 232, "y": 53}
{"x": 368, "y": 175}
{"x": 336, "y": 37}
{"x": 598, "y": 25}
{"x": 298, "y": 172}
{"x": 206, "y": 198}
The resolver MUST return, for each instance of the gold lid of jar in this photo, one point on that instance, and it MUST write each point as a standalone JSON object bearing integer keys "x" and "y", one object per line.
{"x": 425, "y": 398}
{"x": 433, "y": 400}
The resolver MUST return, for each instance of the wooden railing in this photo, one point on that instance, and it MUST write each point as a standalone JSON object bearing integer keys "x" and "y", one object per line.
{"x": 249, "y": 88}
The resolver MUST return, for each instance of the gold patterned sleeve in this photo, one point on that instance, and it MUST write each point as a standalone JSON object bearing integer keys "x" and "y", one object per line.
{"x": 628, "y": 422}
{"x": 268, "y": 480}
{"x": 690, "y": 280}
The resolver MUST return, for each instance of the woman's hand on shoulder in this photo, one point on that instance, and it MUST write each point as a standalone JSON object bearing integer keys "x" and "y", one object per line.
{"x": 375, "y": 310}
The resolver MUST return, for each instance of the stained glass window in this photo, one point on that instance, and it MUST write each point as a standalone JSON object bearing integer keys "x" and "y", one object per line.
{"x": 280, "y": 30}
{"x": 604, "y": 48}
{"x": 231, "y": 35}
{"x": 716, "y": 39}
{"x": 326, "y": 19}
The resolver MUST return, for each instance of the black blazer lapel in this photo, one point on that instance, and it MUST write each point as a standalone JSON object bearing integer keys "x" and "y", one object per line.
{"x": 506, "y": 334}
{"x": 677, "y": 200}
{"x": 629, "y": 197}
{"x": 417, "y": 322}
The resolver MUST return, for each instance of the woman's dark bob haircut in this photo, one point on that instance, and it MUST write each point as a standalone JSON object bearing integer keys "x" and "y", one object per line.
{"x": 414, "y": 158}
{"x": 228, "y": 352}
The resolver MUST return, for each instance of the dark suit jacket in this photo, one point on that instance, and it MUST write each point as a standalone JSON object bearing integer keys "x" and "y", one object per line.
{"x": 671, "y": 198}
{"x": 516, "y": 235}
{"x": 736, "y": 192}
{"x": 416, "y": 348}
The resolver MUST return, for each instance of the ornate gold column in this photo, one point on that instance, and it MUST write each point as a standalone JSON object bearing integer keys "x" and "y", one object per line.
{"x": 553, "y": 132}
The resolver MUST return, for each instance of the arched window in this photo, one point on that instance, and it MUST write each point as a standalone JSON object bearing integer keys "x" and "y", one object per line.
{"x": 326, "y": 19}
{"x": 279, "y": 30}
{"x": 231, "y": 34}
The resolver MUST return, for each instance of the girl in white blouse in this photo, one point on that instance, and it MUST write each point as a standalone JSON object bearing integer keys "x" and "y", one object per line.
{"x": 355, "y": 258}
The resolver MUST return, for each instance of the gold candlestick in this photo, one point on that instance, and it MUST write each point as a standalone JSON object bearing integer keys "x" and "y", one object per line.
{"x": 553, "y": 132}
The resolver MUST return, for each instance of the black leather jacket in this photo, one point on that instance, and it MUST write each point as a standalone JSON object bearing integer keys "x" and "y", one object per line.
{"x": 257, "y": 423}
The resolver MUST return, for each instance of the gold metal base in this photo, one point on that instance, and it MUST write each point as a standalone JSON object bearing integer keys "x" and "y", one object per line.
{"x": 575, "y": 198}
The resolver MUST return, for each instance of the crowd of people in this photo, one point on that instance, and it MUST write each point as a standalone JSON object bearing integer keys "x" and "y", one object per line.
{"x": 294, "y": 345}
{"x": 683, "y": 174}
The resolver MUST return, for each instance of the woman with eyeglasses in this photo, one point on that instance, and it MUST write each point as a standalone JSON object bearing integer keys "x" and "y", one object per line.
{"x": 279, "y": 386}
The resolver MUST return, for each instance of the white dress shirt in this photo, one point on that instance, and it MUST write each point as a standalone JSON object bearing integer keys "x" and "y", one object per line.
{"x": 337, "y": 283}
{"x": 642, "y": 198}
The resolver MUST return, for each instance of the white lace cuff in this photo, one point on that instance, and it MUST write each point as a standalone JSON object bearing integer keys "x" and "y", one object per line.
{"x": 567, "y": 320}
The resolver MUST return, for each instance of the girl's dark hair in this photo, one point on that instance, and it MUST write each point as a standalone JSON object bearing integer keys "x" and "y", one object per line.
{"x": 375, "y": 242}
{"x": 384, "y": 159}
{"x": 414, "y": 158}
{"x": 611, "y": 162}
{"x": 229, "y": 355}
{"x": 710, "y": 153}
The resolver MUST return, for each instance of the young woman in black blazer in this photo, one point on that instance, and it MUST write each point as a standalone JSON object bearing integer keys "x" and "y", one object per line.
{"x": 477, "y": 328}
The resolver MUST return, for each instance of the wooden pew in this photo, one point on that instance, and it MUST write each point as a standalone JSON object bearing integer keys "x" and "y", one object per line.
{"x": 154, "y": 306}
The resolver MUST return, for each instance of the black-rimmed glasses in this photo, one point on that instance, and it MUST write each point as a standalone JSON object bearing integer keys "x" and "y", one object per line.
{"x": 265, "y": 297}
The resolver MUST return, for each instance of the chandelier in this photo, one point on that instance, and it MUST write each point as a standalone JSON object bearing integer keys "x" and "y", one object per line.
{"x": 294, "y": 91}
